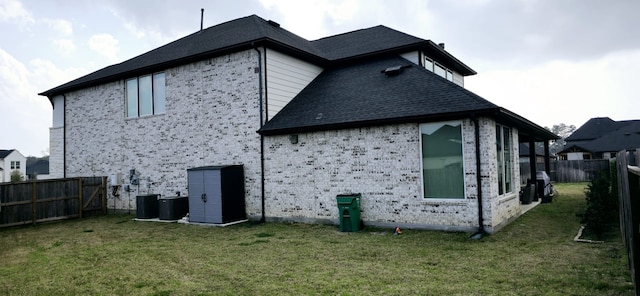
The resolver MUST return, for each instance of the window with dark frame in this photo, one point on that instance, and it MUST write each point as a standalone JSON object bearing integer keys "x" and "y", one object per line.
{"x": 145, "y": 95}
{"x": 503, "y": 157}
{"x": 442, "y": 160}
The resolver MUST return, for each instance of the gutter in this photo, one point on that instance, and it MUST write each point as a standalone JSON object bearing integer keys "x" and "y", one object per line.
{"x": 481, "y": 232}
{"x": 262, "y": 217}
{"x": 64, "y": 136}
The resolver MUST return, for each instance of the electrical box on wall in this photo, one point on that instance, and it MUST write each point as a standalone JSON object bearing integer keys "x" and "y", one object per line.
{"x": 115, "y": 179}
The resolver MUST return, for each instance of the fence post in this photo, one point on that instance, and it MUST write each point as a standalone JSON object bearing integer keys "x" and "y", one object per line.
{"x": 80, "y": 199}
{"x": 104, "y": 195}
{"x": 34, "y": 216}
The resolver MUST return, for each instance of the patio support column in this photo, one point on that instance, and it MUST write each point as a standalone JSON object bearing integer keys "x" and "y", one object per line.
{"x": 532, "y": 159}
{"x": 547, "y": 164}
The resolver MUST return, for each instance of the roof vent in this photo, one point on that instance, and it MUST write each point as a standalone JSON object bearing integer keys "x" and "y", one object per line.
{"x": 441, "y": 45}
{"x": 273, "y": 23}
{"x": 393, "y": 71}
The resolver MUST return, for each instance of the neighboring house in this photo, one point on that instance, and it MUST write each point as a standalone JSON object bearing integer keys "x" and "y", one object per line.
{"x": 373, "y": 111}
{"x": 525, "y": 153}
{"x": 602, "y": 138}
{"x": 38, "y": 168}
{"x": 10, "y": 161}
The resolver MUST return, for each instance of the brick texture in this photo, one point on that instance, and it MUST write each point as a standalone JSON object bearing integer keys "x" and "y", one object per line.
{"x": 212, "y": 115}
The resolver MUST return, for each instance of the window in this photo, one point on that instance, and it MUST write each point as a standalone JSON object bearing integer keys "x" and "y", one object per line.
{"x": 440, "y": 70}
{"x": 449, "y": 75}
{"x": 15, "y": 165}
{"x": 442, "y": 169}
{"x": 503, "y": 145}
{"x": 145, "y": 95}
{"x": 428, "y": 64}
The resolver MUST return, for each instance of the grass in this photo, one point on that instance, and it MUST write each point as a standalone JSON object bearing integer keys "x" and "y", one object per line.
{"x": 113, "y": 255}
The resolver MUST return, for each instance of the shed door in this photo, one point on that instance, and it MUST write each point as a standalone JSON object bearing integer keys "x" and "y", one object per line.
{"x": 196, "y": 192}
{"x": 213, "y": 189}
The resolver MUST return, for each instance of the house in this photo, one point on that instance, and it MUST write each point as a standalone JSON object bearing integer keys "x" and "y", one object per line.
{"x": 10, "y": 161}
{"x": 525, "y": 152}
{"x": 373, "y": 111}
{"x": 602, "y": 138}
{"x": 38, "y": 168}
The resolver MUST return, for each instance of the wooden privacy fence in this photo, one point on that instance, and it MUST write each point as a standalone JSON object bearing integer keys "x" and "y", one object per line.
{"x": 49, "y": 200}
{"x": 629, "y": 203}
{"x": 568, "y": 171}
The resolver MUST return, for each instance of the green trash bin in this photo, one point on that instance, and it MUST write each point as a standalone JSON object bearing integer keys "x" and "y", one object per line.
{"x": 349, "y": 212}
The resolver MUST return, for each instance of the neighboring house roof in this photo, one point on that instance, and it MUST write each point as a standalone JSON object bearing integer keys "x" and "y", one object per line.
{"x": 38, "y": 167}
{"x": 604, "y": 135}
{"x": 253, "y": 31}
{"x": 593, "y": 129}
{"x": 5, "y": 153}
{"x": 362, "y": 94}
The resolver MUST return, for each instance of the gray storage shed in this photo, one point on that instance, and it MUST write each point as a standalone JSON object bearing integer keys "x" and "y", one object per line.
{"x": 216, "y": 194}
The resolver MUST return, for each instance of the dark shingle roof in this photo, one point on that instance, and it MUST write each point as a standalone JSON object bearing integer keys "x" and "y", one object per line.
{"x": 594, "y": 128}
{"x": 253, "y": 31}
{"x": 360, "y": 95}
{"x": 5, "y": 153}
{"x": 602, "y": 134}
{"x": 224, "y": 38}
{"x": 363, "y": 41}
{"x": 378, "y": 39}
{"x": 624, "y": 138}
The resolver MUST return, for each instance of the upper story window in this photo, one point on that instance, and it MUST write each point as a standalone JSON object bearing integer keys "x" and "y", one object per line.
{"x": 15, "y": 165}
{"x": 443, "y": 72}
{"x": 145, "y": 95}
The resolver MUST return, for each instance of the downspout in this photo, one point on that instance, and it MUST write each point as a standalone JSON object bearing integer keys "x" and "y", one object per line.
{"x": 481, "y": 232}
{"x": 64, "y": 136}
{"x": 262, "y": 217}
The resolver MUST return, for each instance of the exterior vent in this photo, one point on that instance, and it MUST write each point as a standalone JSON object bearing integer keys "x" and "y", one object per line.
{"x": 441, "y": 45}
{"x": 393, "y": 71}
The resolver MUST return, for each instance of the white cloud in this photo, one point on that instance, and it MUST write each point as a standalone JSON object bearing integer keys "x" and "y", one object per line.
{"x": 27, "y": 116}
{"x": 106, "y": 45}
{"x": 306, "y": 18}
{"x": 13, "y": 11}
{"x": 564, "y": 91}
{"x": 60, "y": 26}
{"x": 65, "y": 46}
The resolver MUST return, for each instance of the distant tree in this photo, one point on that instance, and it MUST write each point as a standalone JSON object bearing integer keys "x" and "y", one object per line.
{"x": 563, "y": 131}
{"x": 16, "y": 176}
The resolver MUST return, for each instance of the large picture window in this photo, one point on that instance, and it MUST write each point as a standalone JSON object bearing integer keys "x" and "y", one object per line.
{"x": 442, "y": 165}
{"x": 503, "y": 148}
{"x": 145, "y": 95}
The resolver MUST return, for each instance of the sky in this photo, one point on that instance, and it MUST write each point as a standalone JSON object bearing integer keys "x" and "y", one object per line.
{"x": 550, "y": 61}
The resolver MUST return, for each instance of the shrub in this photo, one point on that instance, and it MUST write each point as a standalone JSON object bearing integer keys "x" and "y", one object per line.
{"x": 602, "y": 205}
{"x": 16, "y": 176}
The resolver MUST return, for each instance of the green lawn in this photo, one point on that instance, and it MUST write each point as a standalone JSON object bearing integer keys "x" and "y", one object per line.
{"x": 113, "y": 255}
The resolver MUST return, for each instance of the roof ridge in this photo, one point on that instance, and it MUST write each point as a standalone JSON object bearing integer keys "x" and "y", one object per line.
{"x": 350, "y": 32}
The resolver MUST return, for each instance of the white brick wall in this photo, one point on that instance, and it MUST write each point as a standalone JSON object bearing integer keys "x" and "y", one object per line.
{"x": 383, "y": 164}
{"x": 211, "y": 119}
{"x": 56, "y": 150}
